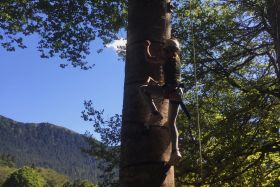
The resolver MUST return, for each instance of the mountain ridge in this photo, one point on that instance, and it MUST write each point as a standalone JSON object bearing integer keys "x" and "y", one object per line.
{"x": 35, "y": 124}
{"x": 48, "y": 145}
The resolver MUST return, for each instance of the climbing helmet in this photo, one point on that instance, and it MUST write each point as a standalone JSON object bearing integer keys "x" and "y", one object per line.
{"x": 172, "y": 43}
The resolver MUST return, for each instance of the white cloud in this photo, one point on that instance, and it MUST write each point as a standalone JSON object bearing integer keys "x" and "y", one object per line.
{"x": 117, "y": 44}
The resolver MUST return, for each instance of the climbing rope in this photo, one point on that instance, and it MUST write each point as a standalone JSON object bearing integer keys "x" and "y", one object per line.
{"x": 196, "y": 89}
{"x": 277, "y": 29}
{"x": 276, "y": 15}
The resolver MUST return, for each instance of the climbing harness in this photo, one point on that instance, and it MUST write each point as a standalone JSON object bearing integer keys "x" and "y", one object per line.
{"x": 179, "y": 100}
{"x": 185, "y": 110}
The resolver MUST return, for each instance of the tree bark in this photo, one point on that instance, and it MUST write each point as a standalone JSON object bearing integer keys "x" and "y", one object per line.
{"x": 144, "y": 153}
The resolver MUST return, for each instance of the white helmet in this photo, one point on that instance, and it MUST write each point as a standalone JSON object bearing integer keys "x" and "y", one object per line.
{"x": 172, "y": 43}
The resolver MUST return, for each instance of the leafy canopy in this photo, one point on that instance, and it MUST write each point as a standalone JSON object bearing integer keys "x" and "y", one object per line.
{"x": 25, "y": 177}
{"x": 237, "y": 65}
{"x": 238, "y": 73}
{"x": 65, "y": 28}
{"x": 80, "y": 183}
{"x": 237, "y": 60}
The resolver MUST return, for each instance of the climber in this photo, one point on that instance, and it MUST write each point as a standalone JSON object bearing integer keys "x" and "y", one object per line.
{"x": 169, "y": 60}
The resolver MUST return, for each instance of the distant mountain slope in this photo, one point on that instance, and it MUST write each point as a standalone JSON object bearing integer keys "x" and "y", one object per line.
{"x": 49, "y": 146}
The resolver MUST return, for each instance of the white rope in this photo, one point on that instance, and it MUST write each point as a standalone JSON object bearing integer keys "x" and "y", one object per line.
{"x": 277, "y": 30}
{"x": 277, "y": 26}
{"x": 196, "y": 90}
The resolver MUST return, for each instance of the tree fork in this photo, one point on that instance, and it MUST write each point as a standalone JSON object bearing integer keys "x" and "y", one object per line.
{"x": 144, "y": 153}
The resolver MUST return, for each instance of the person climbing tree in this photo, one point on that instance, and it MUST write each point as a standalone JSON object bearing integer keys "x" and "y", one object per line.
{"x": 170, "y": 61}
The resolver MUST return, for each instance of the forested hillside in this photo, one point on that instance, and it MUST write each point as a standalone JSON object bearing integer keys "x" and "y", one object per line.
{"x": 51, "y": 177}
{"x": 49, "y": 146}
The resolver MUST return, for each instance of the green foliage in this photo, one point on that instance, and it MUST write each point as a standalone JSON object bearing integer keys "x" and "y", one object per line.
{"x": 7, "y": 160}
{"x": 25, "y": 177}
{"x": 52, "y": 178}
{"x": 108, "y": 149}
{"x": 7, "y": 166}
{"x": 80, "y": 183}
{"x": 47, "y": 146}
{"x": 5, "y": 172}
{"x": 65, "y": 28}
{"x": 237, "y": 66}
{"x": 237, "y": 62}
{"x": 238, "y": 74}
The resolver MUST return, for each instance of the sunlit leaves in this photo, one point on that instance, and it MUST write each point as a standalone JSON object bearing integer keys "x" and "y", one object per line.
{"x": 66, "y": 28}
{"x": 108, "y": 149}
{"x": 238, "y": 93}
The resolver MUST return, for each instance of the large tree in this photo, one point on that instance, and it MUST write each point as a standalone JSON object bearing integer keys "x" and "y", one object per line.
{"x": 236, "y": 45}
{"x": 237, "y": 58}
{"x": 144, "y": 153}
{"x": 67, "y": 27}
{"x": 25, "y": 177}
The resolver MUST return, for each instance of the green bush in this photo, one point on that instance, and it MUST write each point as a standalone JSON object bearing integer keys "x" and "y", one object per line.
{"x": 80, "y": 183}
{"x": 25, "y": 177}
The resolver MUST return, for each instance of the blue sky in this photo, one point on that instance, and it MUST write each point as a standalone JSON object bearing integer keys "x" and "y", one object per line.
{"x": 38, "y": 90}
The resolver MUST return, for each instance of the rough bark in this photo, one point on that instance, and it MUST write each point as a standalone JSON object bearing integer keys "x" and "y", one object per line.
{"x": 144, "y": 153}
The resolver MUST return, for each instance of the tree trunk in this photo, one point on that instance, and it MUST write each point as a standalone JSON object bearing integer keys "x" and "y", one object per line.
{"x": 144, "y": 153}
